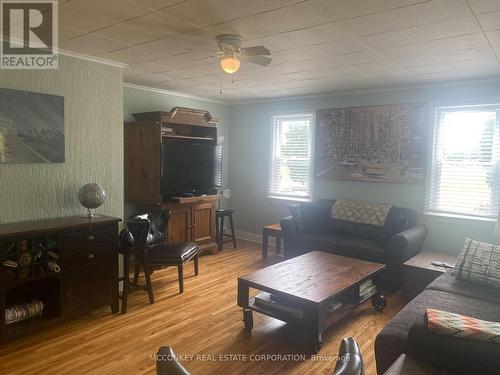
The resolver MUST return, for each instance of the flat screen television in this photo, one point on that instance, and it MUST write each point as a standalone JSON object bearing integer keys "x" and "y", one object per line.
{"x": 190, "y": 168}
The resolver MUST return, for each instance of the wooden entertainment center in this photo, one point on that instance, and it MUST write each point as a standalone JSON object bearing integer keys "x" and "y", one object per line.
{"x": 193, "y": 218}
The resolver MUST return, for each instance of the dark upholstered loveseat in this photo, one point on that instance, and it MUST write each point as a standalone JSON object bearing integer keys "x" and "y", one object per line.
{"x": 407, "y": 332}
{"x": 311, "y": 227}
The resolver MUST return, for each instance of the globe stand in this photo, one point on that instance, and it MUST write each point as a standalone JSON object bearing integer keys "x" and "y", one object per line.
{"x": 90, "y": 214}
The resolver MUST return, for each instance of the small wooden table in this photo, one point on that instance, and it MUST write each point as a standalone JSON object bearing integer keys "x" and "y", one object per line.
{"x": 273, "y": 230}
{"x": 419, "y": 271}
{"x": 309, "y": 285}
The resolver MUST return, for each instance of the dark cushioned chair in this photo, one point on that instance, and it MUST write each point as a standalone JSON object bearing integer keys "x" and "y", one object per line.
{"x": 407, "y": 332}
{"x": 149, "y": 230}
{"x": 311, "y": 227}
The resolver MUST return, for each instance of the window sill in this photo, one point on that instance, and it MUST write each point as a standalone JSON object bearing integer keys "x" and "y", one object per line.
{"x": 448, "y": 217}
{"x": 290, "y": 199}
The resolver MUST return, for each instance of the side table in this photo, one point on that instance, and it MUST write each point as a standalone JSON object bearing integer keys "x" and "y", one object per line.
{"x": 273, "y": 230}
{"x": 420, "y": 272}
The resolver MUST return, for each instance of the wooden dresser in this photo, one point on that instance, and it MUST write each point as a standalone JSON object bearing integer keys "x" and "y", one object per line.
{"x": 83, "y": 250}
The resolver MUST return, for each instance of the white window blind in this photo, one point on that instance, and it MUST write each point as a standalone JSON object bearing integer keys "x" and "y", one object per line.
{"x": 291, "y": 157}
{"x": 464, "y": 165}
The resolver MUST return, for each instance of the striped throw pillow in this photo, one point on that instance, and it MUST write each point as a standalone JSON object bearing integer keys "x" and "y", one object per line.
{"x": 479, "y": 262}
{"x": 462, "y": 326}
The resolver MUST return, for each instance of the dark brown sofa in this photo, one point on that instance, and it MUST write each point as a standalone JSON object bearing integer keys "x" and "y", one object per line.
{"x": 407, "y": 331}
{"x": 310, "y": 227}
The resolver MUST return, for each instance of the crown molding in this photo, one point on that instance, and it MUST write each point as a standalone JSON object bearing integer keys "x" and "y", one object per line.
{"x": 95, "y": 59}
{"x": 174, "y": 93}
{"x": 368, "y": 91}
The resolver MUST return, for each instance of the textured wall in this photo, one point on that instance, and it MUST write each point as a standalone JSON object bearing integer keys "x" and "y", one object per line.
{"x": 249, "y": 156}
{"x": 93, "y": 139}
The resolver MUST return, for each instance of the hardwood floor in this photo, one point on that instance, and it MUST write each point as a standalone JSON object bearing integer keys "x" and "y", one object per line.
{"x": 203, "y": 321}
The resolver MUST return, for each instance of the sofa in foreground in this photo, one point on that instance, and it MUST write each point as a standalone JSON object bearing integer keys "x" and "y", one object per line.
{"x": 311, "y": 227}
{"x": 407, "y": 332}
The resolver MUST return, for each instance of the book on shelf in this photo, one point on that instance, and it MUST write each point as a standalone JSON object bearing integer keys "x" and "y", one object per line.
{"x": 365, "y": 285}
{"x": 267, "y": 301}
{"x": 367, "y": 293}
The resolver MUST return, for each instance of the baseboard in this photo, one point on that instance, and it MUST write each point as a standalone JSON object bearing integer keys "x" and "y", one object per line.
{"x": 254, "y": 237}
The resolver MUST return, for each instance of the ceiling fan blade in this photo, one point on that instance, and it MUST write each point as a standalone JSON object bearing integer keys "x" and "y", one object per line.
{"x": 254, "y": 51}
{"x": 259, "y": 60}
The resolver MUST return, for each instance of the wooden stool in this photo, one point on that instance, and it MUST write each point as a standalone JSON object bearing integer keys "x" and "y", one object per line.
{"x": 140, "y": 259}
{"x": 220, "y": 214}
{"x": 273, "y": 230}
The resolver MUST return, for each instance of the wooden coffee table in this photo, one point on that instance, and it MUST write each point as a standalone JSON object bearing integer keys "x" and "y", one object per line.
{"x": 308, "y": 287}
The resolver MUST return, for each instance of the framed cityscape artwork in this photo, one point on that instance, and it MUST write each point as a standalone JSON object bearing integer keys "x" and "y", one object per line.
{"x": 31, "y": 127}
{"x": 380, "y": 144}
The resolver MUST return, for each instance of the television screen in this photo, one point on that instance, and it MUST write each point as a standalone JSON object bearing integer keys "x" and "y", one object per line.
{"x": 190, "y": 168}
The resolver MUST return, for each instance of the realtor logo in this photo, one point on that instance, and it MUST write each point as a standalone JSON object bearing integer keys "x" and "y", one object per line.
{"x": 30, "y": 37}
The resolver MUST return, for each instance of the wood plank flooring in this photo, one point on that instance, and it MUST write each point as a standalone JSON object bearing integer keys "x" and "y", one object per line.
{"x": 203, "y": 321}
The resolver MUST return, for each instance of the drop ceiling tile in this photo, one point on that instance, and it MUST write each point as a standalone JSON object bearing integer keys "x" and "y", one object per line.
{"x": 251, "y": 27}
{"x": 407, "y": 51}
{"x": 188, "y": 60}
{"x": 291, "y": 18}
{"x": 330, "y": 11}
{"x": 459, "y": 43}
{"x": 157, "y": 4}
{"x": 476, "y": 65}
{"x": 149, "y": 66}
{"x": 160, "y": 25}
{"x": 134, "y": 55}
{"x": 364, "y": 57}
{"x": 480, "y": 53}
{"x": 494, "y": 37}
{"x": 447, "y": 29}
{"x": 188, "y": 42}
{"x": 416, "y": 61}
{"x": 436, "y": 68}
{"x": 200, "y": 13}
{"x": 69, "y": 45}
{"x": 379, "y": 66}
{"x": 489, "y": 21}
{"x": 95, "y": 42}
{"x": 484, "y": 6}
{"x": 390, "y": 39}
{"x": 371, "y": 24}
{"x": 81, "y": 19}
{"x": 126, "y": 33}
{"x": 114, "y": 9}
{"x": 247, "y": 8}
{"x": 68, "y": 32}
{"x": 431, "y": 12}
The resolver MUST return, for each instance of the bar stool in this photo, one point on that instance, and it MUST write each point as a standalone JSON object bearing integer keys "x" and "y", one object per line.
{"x": 220, "y": 215}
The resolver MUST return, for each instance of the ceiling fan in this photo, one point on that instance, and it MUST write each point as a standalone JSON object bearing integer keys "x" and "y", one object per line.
{"x": 232, "y": 53}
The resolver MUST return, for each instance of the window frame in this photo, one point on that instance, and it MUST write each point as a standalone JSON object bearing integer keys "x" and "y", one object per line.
{"x": 432, "y": 212}
{"x": 271, "y": 152}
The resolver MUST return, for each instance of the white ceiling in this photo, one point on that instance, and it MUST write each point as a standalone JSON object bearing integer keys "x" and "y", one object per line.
{"x": 317, "y": 46}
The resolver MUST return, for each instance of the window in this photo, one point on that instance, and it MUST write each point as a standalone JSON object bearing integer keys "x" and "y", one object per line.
{"x": 464, "y": 165}
{"x": 291, "y": 160}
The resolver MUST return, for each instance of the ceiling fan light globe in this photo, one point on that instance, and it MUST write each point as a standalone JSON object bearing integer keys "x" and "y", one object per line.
{"x": 230, "y": 64}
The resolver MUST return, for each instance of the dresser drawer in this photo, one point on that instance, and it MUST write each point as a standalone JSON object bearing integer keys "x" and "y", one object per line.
{"x": 91, "y": 237}
{"x": 83, "y": 256}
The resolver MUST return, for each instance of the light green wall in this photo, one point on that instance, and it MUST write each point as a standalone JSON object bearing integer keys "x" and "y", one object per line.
{"x": 249, "y": 155}
{"x": 93, "y": 119}
{"x": 145, "y": 100}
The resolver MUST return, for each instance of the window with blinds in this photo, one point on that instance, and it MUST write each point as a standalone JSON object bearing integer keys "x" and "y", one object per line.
{"x": 464, "y": 166}
{"x": 291, "y": 157}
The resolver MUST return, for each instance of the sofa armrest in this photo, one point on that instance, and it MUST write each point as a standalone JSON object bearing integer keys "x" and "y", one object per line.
{"x": 288, "y": 227}
{"x": 406, "y": 244}
{"x": 456, "y": 355}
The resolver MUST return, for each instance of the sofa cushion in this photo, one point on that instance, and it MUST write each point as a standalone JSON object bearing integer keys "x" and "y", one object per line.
{"x": 448, "y": 283}
{"x": 360, "y": 248}
{"x": 479, "y": 262}
{"x": 391, "y": 341}
{"x": 318, "y": 242}
{"x": 398, "y": 220}
{"x": 459, "y": 356}
{"x": 312, "y": 217}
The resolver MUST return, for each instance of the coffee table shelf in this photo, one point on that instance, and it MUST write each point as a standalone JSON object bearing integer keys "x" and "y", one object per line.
{"x": 310, "y": 283}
